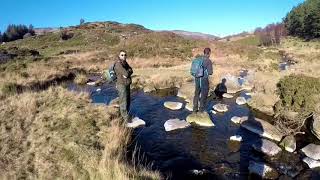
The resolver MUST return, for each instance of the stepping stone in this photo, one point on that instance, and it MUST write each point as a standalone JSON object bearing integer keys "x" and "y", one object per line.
{"x": 173, "y": 124}
{"x": 99, "y": 89}
{"x": 202, "y": 119}
{"x": 311, "y": 162}
{"x": 173, "y": 105}
{"x": 289, "y": 143}
{"x": 226, "y": 95}
{"x": 262, "y": 128}
{"x": 241, "y": 101}
{"x": 312, "y": 151}
{"x": 221, "y": 107}
{"x": 136, "y": 122}
{"x": 267, "y": 147}
{"x": 263, "y": 170}
{"x": 213, "y": 112}
{"x": 239, "y": 120}
{"x": 189, "y": 106}
{"x": 236, "y": 138}
{"x": 91, "y": 83}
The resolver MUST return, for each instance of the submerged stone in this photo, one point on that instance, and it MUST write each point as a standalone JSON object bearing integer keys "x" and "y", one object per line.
{"x": 267, "y": 147}
{"x": 173, "y": 124}
{"x": 221, "y": 107}
{"x": 173, "y": 105}
{"x": 263, "y": 129}
{"x": 263, "y": 170}
{"x": 136, "y": 122}
{"x": 312, "y": 151}
{"x": 202, "y": 119}
{"x": 289, "y": 143}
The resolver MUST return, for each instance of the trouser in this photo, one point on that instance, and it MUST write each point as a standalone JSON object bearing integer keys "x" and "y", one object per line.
{"x": 201, "y": 92}
{"x": 124, "y": 100}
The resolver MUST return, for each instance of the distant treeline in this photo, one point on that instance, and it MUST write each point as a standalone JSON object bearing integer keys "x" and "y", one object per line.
{"x": 15, "y": 32}
{"x": 271, "y": 34}
{"x": 304, "y": 20}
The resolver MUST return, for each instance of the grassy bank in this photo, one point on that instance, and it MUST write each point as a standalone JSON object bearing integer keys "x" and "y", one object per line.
{"x": 58, "y": 134}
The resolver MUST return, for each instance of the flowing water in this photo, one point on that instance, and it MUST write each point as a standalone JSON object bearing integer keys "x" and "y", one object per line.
{"x": 194, "y": 152}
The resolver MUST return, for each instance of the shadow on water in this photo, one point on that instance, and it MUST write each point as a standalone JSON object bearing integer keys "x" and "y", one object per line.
{"x": 191, "y": 153}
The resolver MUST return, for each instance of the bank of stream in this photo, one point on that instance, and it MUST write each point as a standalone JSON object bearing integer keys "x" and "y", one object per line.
{"x": 197, "y": 152}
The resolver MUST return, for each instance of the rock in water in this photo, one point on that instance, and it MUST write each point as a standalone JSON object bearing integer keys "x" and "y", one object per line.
{"x": 173, "y": 124}
{"x": 236, "y": 138}
{"x": 173, "y": 105}
{"x": 263, "y": 170}
{"x": 226, "y": 95}
{"x": 263, "y": 129}
{"x": 289, "y": 143}
{"x": 136, "y": 122}
{"x": 267, "y": 147}
{"x": 312, "y": 151}
{"x": 241, "y": 100}
{"x": 189, "y": 106}
{"x": 221, "y": 107}
{"x": 311, "y": 162}
{"x": 202, "y": 119}
{"x": 239, "y": 120}
{"x": 91, "y": 83}
{"x": 316, "y": 125}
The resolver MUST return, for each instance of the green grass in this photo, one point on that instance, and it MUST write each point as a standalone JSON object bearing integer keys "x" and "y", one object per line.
{"x": 249, "y": 41}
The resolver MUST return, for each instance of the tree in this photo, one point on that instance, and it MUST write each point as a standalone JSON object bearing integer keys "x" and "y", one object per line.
{"x": 0, "y": 37}
{"x": 82, "y": 21}
{"x": 31, "y": 30}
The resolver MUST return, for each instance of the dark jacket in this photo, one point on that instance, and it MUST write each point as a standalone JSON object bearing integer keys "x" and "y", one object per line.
{"x": 123, "y": 72}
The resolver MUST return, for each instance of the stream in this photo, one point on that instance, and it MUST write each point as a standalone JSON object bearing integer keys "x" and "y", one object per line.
{"x": 195, "y": 152}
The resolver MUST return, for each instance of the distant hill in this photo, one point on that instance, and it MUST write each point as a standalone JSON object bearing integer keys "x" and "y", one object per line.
{"x": 195, "y": 35}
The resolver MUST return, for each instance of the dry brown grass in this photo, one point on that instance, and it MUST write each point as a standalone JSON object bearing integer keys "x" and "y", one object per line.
{"x": 58, "y": 134}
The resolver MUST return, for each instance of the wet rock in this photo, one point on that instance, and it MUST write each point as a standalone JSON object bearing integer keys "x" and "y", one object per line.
{"x": 267, "y": 147}
{"x": 263, "y": 170}
{"x": 263, "y": 129}
{"x": 213, "y": 112}
{"x": 136, "y": 122}
{"x": 241, "y": 100}
{"x": 91, "y": 83}
{"x": 226, "y": 95}
{"x": 312, "y": 163}
{"x": 173, "y": 124}
{"x": 312, "y": 151}
{"x": 315, "y": 129}
{"x": 173, "y": 105}
{"x": 289, "y": 143}
{"x": 189, "y": 106}
{"x": 239, "y": 120}
{"x": 221, "y": 107}
{"x": 202, "y": 119}
{"x": 236, "y": 138}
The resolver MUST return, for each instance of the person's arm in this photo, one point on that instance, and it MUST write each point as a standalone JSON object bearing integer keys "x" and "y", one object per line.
{"x": 120, "y": 70}
{"x": 209, "y": 67}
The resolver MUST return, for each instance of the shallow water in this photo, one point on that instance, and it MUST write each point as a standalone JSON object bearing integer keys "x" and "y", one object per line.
{"x": 177, "y": 154}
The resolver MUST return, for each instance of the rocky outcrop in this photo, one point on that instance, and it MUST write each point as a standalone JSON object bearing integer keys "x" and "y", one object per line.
{"x": 173, "y": 124}
{"x": 173, "y": 105}
{"x": 221, "y": 107}
{"x": 241, "y": 100}
{"x": 267, "y": 147}
{"x": 289, "y": 143}
{"x": 263, "y": 129}
{"x": 312, "y": 151}
{"x": 263, "y": 170}
{"x": 202, "y": 119}
{"x": 315, "y": 129}
{"x": 136, "y": 122}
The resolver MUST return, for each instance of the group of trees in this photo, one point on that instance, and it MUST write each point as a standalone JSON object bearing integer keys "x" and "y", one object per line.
{"x": 304, "y": 20}
{"x": 15, "y": 32}
{"x": 271, "y": 34}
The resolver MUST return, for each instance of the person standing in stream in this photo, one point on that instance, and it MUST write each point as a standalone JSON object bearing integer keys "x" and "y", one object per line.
{"x": 201, "y": 69}
{"x": 123, "y": 73}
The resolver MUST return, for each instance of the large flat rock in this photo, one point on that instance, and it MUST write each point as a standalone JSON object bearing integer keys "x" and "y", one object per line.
{"x": 173, "y": 105}
{"x": 262, "y": 128}
{"x": 312, "y": 151}
{"x": 173, "y": 124}
{"x": 136, "y": 122}
{"x": 202, "y": 119}
{"x": 267, "y": 147}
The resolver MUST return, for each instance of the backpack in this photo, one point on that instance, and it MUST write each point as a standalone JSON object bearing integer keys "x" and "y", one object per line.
{"x": 197, "y": 69}
{"x": 110, "y": 74}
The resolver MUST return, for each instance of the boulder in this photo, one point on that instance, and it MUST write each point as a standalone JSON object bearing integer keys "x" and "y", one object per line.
{"x": 315, "y": 129}
{"x": 173, "y": 124}
{"x": 136, "y": 122}
{"x": 226, "y": 95}
{"x": 289, "y": 143}
{"x": 312, "y": 151}
{"x": 267, "y": 147}
{"x": 221, "y": 107}
{"x": 263, "y": 170}
{"x": 239, "y": 120}
{"x": 311, "y": 162}
{"x": 202, "y": 119}
{"x": 236, "y": 138}
{"x": 262, "y": 128}
{"x": 241, "y": 100}
{"x": 173, "y": 105}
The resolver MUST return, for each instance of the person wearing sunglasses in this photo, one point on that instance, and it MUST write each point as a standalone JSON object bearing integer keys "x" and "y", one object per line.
{"x": 123, "y": 72}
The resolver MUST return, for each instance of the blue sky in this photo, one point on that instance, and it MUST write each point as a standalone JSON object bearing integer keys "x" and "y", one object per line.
{"x": 217, "y": 17}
